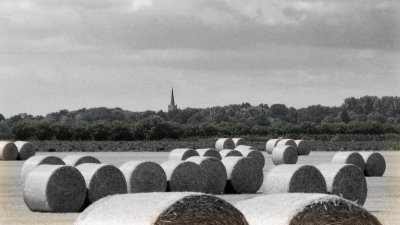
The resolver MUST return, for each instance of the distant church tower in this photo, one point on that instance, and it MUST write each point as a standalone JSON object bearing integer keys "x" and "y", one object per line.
{"x": 172, "y": 107}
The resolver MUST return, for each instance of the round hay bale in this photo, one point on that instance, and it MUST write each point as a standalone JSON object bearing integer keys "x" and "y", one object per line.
{"x": 161, "y": 209}
{"x": 224, "y": 143}
{"x": 301, "y": 209}
{"x": 229, "y": 152}
{"x": 184, "y": 176}
{"x": 303, "y": 147}
{"x": 25, "y": 150}
{"x": 290, "y": 142}
{"x": 54, "y": 188}
{"x": 8, "y": 151}
{"x": 284, "y": 154}
{"x": 182, "y": 154}
{"x": 345, "y": 180}
{"x": 143, "y": 176}
{"x": 245, "y": 147}
{"x": 255, "y": 154}
{"x": 244, "y": 175}
{"x": 214, "y": 173}
{"x": 239, "y": 141}
{"x": 294, "y": 178}
{"x": 37, "y": 160}
{"x": 375, "y": 164}
{"x": 271, "y": 144}
{"x": 102, "y": 180}
{"x": 75, "y": 160}
{"x": 349, "y": 158}
{"x": 209, "y": 152}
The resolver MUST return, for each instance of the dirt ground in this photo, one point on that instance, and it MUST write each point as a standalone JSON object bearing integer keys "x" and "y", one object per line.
{"x": 383, "y": 192}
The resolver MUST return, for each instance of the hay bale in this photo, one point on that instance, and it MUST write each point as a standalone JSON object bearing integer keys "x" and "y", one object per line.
{"x": 25, "y": 150}
{"x": 54, "y": 188}
{"x": 345, "y": 180}
{"x": 209, "y": 152}
{"x": 290, "y": 142}
{"x": 303, "y": 147}
{"x": 143, "y": 176}
{"x": 102, "y": 180}
{"x": 229, "y": 152}
{"x": 349, "y": 158}
{"x": 245, "y": 147}
{"x": 301, "y": 209}
{"x": 35, "y": 161}
{"x": 239, "y": 141}
{"x": 271, "y": 144}
{"x": 214, "y": 173}
{"x": 375, "y": 164}
{"x": 184, "y": 176}
{"x": 224, "y": 143}
{"x": 182, "y": 154}
{"x": 161, "y": 209}
{"x": 294, "y": 178}
{"x": 284, "y": 154}
{"x": 75, "y": 160}
{"x": 255, "y": 154}
{"x": 8, "y": 150}
{"x": 244, "y": 175}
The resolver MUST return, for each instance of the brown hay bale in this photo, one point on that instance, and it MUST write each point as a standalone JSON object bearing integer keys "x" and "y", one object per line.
{"x": 294, "y": 178}
{"x": 239, "y": 141}
{"x": 35, "y": 161}
{"x": 244, "y": 175}
{"x": 75, "y": 160}
{"x": 303, "y": 147}
{"x": 54, "y": 188}
{"x": 8, "y": 150}
{"x": 102, "y": 180}
{"x": 284, "y": 154}
{"x": 184, "y": 176}
{"x": 349, "y": 158}
{"x": 255, "y": 154}
{"x": 345, "y": 180}
{"x": 290, "y": 142}
{"x": 143, "y": 176}
{"x": 161, "y": 209}
{"x": 209, "y": 152}
{"x": 182, "y": 154}
{"x": 229, "y": 152}
{"x": 224, "y": 143}
{"x": 25, "y": 150}
{"x": 375, "y": 164}
{"x": 302, "y": 209}
{"x": 214, "y": 173}
{"x": 270, "y": 145}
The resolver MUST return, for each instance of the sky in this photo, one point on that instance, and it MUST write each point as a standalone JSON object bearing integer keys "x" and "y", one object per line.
{"x": 70, "y": 54}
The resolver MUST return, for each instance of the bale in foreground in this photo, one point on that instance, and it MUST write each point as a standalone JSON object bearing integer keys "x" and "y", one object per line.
{"x": 375, "y": 164}
{"x": 161, "y": 209}
{"x": 25, "y": 150}
{"x": 303, "y": 147}
{"x": 349, "y": 158}
{"x": 284, "y": 154}
{"x": 270, "y": 145}
{"x": 8, "y": 151}
{"x": 182, "y": 154}
{"x": 302, "y": 209}
{"x": 54, "y": 188}
{"x": 229, "y": 152}
{"x": 239, "y": 141}
{"x": 255, "y": 154}
{"x": 75, "y": 160}
{"x": 184, "y": 176}
{"x": 35, "y": 161}
{"x": 143, "y": 176}
{"x": 209, "y": 152}
{"x": 224, "y": 143}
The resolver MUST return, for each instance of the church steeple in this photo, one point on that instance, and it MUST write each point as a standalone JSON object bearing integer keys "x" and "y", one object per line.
{"x": 172, "y": 97}
{"x": 172, "y": 107}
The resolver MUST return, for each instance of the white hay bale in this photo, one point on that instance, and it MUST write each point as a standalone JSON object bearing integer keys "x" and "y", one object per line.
{"x": 284, "y": 154}
{"x": 209, "y": 152}
{"x": 54, "y": 188}
{"x": 303, "y": 147}
{"x": 25, "y": 150}
{"x": 143, "y": 176}
{"x": 245, "y": 147}
{"x": 102, "y": 180}
{"x": 255, "y": 154}
{"x": 349, "y": 158}
{"x": 75, "y": 160}
{"x": 229, "y": 152}
{"x": 184, "y": 176}
{"x": 161, "y": 209}
{"x": 301, "y": 209}
{"x": 294, "y": 178}
{"x": 8, "y": 150}
{"x": 182, "y": 154}
{"x": 244, "y": 175}
{"x": 35, "y": 161}
{"x": 270, "y": 145}
{"x": 239, "y": 141}
{"x": 345, "y": 180}
{"x": 224, "y": 143}
{"x": 375, "y": 164}
{"x": 213, "y": 171}
{"x": 290, "y": 142}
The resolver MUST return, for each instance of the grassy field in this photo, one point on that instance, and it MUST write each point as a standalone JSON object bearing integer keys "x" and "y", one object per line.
{"x": 383, "y": 192}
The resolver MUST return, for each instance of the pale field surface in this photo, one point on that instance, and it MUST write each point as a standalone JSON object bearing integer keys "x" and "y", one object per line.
{"x": 383, "y": 192}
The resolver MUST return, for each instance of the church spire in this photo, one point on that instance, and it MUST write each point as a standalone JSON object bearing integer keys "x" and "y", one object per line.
{"x": 172, "y": 97}
{"x": 172, "y": 107}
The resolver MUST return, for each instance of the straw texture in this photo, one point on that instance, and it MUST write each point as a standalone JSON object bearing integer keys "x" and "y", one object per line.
{"x": 224, "y": 143}
{"x": 375, "y": 164}
{"x": 25, "y": 150}
{"x": 35, "y": 161}
{"x": 8, "y": 151}
{"x": 349, "y": 158}
{"x": 75, "y": 160}
{"x": 255, "y": 154}
{"x": 239, "y": 141}
{"x": 182, "y": 154}
{"x": 284, "y": 154}
{"x": 270, "y": 145}
{"x": 209, "y": 152}
{"x": 303, "y": 147}
{"x": 229, "y": 152}
{"x": 184, "y": 176}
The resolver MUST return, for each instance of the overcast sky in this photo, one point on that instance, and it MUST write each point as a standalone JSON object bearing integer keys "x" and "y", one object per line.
{"x": 70, "y": 54}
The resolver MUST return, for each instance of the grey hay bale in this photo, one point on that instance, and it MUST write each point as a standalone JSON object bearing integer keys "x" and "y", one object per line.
{"x": 229, "y": 152}
{"x": 102, "y": 180}
{"x": 214, "y": 173}
{"x": 75, "y": 160}
{"x": 182, "y": 154}
{"x": 244, "y": 175}
{"x": 224, "y": 143}
{"x": 184, "y": 176}
{"x": 349, "y": 158}
{"x": 290, "y": 142}
{"x": 239, "y": 141}
{"x": 302, "y": 209}
{"x": 143, "y": 176}
{"x": 255, "y": 154}
{"x": 161, "y": 209}
{"x": 284, "y": 154}
{"x": 270, "y": 145}
{"x": 303, "y": 147}
{"x": 345, "y": 180}
{"x": 25, "y": 150}
{"x": 245, "y": 147}
{"x": 375, "y": 164}
{"x": 8, "y": 150}
{"x": 54, "y": 188}
{"x": 37, "y": 160}
{"x": 209, "y": 152}
{"x": 294, "y": 178}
